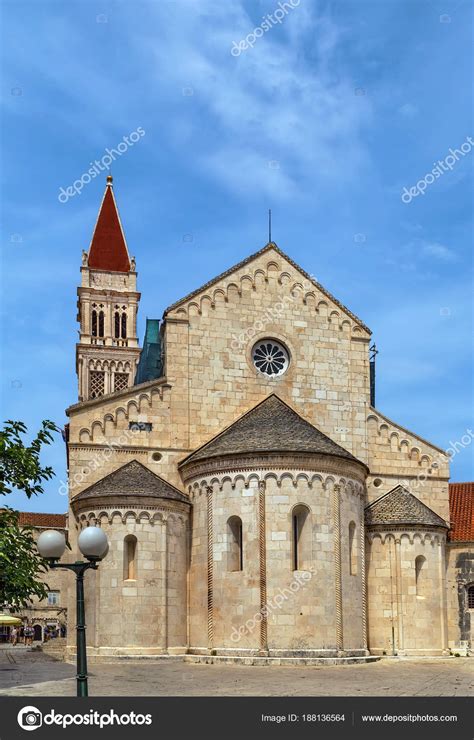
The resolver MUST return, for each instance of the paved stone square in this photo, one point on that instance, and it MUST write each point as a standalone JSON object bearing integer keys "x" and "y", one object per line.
{"x": 26, "y": 673}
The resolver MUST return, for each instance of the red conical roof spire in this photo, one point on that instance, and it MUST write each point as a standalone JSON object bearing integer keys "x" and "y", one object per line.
{"x": 108, "y": 249}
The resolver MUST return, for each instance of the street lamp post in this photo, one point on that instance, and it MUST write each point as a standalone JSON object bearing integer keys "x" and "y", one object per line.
{"x": 93, "y": 544}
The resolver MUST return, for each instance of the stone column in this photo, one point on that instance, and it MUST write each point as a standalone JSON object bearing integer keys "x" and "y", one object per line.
{"x": 164, "y": 580}
{"x": 336, "y": 516}
{"x": 107, "y": 378}
{"x": 81, "y": 379}
{"x": 443, "y": 595}
{"x": 210, "y": 571}
{"x": 86, "y": 317}
{"x": 263, "y": 568}
{"x": 398, "y": 577}
{"x": 363, "y": 577}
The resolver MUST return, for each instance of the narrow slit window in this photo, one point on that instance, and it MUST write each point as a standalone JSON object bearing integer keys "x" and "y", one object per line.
{"x": 352, "y": 549}
{"x": 117, "y": 325}
{"x": 420, "y": 574}
{"x": 235, "y": 546}
{"x": 301, "y": 537}
{"x": 124, "y": 326}
{"x": 130, "y": 558}
{"x": 101, "y": 323}
{"x": 94, "y": 323}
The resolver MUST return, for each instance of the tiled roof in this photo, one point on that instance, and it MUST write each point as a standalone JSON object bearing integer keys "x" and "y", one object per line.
{"x": 35, "y": 519}
{"x": 461, "y": 509}
{"x": 250, "y": 258}
{"x": 271, "y": 426}
{"x": 399, "y": 506}
{"x": 134, "y": 480}
{"x": 108, "y": 250}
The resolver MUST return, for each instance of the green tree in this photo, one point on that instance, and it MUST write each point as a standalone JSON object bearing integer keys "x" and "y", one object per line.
{"x": 20, "y": 469}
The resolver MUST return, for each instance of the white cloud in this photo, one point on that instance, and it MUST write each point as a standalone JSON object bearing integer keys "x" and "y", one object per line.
{"x": 438, "y": 251}
{"x": 273, "y": 102}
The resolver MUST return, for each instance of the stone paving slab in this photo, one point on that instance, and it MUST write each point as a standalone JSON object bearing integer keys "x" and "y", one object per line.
{"x": 36, "y": 674}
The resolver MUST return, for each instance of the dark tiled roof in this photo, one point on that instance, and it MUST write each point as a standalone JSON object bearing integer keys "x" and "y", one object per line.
{"x": 134, "y": 480}
{"x": 108, "y": 250}
{"x": 35, "y": 519}
{"x": 399, "y": 506}
{"x": 271, "y": 426}
{"x": 461, "y": 509}
{"x": 246, "y": 261}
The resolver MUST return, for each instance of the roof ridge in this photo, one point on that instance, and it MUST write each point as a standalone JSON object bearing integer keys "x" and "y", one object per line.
{"x": 133, "y": 462}
{"x": 408, "y": 431}
{"x": 44, "y": 513}
{"x": 250, "y": 258}
{"x": 121, "y": 468}
{"x": 323, "y": 439}
{"x": 406, "y": 491}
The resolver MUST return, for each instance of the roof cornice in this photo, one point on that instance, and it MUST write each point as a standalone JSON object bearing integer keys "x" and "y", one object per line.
{"x": 268, "y": 247}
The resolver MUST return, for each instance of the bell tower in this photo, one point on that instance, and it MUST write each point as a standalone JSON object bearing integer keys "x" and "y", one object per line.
{"x": 107, "y": 353}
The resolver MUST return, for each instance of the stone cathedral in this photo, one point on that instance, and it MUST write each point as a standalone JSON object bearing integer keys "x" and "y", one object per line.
{"x": 258, "y": 506}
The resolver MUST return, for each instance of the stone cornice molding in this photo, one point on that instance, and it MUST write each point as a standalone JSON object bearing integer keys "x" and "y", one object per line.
{"x": 349, "y": 487}
{"x": 233, "y": 464}
{"x": 119, "y": 504}
{"x": 425, "y": 534}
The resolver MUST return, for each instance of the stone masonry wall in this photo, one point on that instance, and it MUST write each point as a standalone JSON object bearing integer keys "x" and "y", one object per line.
{"x": 405, "y": 619}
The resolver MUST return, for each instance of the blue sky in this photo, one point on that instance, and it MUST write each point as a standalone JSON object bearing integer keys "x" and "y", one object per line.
{"x": 326, "y": 120}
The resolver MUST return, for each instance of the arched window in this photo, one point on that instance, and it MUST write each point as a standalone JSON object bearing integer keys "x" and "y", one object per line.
{"x": 124, "y": 326}
{"x": 117, "y": 325}
{"x": 94, "y": 323}
{"x": 352, "y": 549}
{"x": 301, "y": 537}
{"x": 101, "y": 323}
{"x": 235, "y": 554}
{"x": 130, "y": 558}
{"x": 470, "y": 596}
{"x": 420, "y": 574}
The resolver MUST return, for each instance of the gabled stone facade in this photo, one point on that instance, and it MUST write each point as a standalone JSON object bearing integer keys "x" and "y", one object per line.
{"x": 257, "y": 493}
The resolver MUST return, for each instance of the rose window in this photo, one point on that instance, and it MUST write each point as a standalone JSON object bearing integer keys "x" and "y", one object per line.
{"x": 270, "y": 357}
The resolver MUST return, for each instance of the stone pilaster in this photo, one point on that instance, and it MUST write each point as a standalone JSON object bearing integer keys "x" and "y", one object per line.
{"x": 362, "y": 556}
{"x": 336, "y": 513}
{"x": 263, "y": 568}
{"x": 443, "y": 600}
{"x": 164, "y": 560}
{"x": 210, "y": 570}
{"x": 399, "y": 592}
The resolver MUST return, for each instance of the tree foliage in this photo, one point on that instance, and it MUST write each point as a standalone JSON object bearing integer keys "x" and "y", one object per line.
{"x": 20, "y": 465}
{"x": 20, "y": 562}
{"x": 21, "y": 469}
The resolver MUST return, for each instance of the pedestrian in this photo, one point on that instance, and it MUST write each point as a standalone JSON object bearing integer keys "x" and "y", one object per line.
{"x": 29, "y": 632}
{"x": 14, "y": 635}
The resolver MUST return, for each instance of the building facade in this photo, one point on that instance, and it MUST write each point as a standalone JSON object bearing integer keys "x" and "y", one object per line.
{"x": 256, "y": 502}
{"x": 47, "y": 616}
